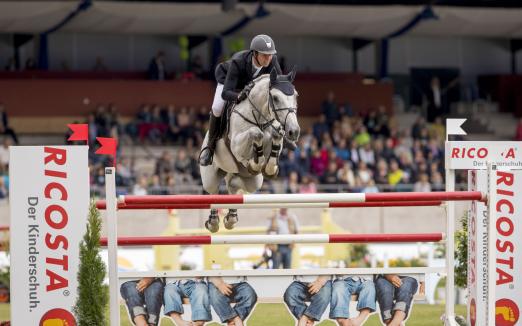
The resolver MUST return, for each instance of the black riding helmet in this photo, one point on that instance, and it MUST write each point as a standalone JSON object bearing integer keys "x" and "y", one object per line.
{"x": 263, "y": 44}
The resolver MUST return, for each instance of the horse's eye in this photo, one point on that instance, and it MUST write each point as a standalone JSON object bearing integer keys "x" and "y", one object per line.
{"x": 276, "y": 99}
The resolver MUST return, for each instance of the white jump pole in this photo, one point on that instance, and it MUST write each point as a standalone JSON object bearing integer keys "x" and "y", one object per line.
{"x": 492, "y": 239}
{"x": 112, "y": 235}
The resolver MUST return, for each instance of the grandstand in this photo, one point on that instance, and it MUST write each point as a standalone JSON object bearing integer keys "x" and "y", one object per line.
{"x": 376, "y": 81}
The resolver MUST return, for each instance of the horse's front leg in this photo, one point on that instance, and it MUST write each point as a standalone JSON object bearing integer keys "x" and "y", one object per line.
{"x": 247, "y": 147}
{"x": 271, "y": 169}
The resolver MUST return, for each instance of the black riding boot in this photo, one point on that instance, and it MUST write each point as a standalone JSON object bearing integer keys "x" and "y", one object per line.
{"x": 205, "y": 157}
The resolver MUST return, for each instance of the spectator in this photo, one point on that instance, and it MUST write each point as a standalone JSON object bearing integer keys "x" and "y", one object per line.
{"x": 329, "y": 109}
{"x": 317, "y": 164}
{"x": 321, "y": 127}
{"x": 124, "y": 172}
{"x": 367, "y": 155}
{"x": 307, "y": 186}
{"x": 290, "y": 164}
{"x": 170, "y": 119}
{"x": 354, "y": 153}
{"x": 3, "y": 188}
{"x": 364, "y": 173}
{"x": 292, "y": 183}
{"x": 342, "y": 150}
{"x": 5, "y": 129}
{"x": 370, "y": 187}
{"x": 164, "y": 166}
{"x": 381, "y": 174}
{"x": 141, "y": 187}
{"x": 363, "y": 137}
{"x": 396, "y": 174}
{"x": 437, "y": 182}
{"x": 4, "y": 155}
{"x": 184, "y": 124}
{"x": 284, "y": 223}
{"x": 418, "y": 125}
{"x": 99, "y": 65}
{"x": 423, "y": 185}
{"x": 157, "y": 69}
{"x": 346, "y": 175}
{"x": 330, "y": 176}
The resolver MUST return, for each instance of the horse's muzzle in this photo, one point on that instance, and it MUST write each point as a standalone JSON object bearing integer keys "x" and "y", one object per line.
{"x": 293, "y": 134}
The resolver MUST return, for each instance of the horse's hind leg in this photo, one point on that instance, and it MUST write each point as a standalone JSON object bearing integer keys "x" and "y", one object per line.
{"x": 211, "y": 176}
{"x": 235, "y": 185}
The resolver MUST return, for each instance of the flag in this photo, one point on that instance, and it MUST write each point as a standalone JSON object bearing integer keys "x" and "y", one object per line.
{"x": 454, "y": 127}
{"x": 80, "y": 132}
{"x": 107, "y": 147}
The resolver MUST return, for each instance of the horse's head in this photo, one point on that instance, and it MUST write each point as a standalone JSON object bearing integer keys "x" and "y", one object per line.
{"x": 283, "y": 102}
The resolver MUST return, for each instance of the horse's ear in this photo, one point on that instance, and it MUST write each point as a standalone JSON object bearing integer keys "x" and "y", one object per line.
{"x": 273, "y": 75}
{"x": 291, "y": 75}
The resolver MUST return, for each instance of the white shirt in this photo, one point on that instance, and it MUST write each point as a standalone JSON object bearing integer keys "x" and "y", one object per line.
{"x": 256, "y": 69}
{"x": 282, "y": 223}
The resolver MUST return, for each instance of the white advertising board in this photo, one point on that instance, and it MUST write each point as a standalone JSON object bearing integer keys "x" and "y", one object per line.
{"x": 49, "y": 201}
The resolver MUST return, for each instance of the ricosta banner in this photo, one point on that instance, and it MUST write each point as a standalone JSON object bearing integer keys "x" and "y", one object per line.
{"x": 49, "y": 201}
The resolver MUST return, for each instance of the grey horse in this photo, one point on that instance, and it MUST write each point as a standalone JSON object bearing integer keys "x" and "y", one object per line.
{"x": 250, "y": 149}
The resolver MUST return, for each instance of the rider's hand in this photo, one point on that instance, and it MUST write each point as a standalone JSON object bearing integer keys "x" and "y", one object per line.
{"x": 242, "y": 95}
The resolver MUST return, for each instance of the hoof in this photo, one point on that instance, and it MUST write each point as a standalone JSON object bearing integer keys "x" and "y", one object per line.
{"x": 252, "y": 171}
{"x": 230, "y": 220}
{"x": 212, "y": 224}
{"x": 271, "y": 176}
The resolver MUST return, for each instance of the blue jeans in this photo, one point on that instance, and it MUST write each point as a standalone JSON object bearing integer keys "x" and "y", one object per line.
{"x": 147, "y": 303}
{"x": 391, "y": 298}
{"x": 243, "y": 295}
{"x": 342, "y": 290}
{"x": 197, "y": 292}
{"x": 297, "y": 294}
{"x": 283, "y": 257}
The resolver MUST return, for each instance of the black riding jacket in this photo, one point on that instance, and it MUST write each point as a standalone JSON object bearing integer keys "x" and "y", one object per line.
{"x": 237, "y": 72}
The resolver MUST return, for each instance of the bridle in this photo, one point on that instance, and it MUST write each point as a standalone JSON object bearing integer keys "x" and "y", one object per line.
{"x": 263, "y": 122}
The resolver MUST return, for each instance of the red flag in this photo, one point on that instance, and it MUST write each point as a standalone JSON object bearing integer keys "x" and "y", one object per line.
{"x": 108, "y": 146}
{"x": 80, "y": 132}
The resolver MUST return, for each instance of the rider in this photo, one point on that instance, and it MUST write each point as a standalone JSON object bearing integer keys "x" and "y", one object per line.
{"x": 236, "y": 74}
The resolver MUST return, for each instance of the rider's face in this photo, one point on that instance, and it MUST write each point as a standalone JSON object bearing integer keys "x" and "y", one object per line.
{"x": 264, "y": 59}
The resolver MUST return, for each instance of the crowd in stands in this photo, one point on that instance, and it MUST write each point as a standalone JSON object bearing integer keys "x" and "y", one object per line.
{"x": 341, "y": 151}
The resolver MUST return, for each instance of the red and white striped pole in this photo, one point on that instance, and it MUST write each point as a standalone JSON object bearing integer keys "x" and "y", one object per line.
{"x": 277, "y": 239}
{"x": 303, "y": 198}
{"x": 100, "y": 204}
